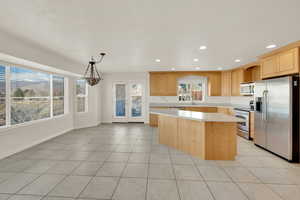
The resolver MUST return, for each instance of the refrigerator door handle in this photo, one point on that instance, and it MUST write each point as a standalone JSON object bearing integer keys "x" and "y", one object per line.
{"x": 263, "y": 104}
{"x": 266, "y": 104}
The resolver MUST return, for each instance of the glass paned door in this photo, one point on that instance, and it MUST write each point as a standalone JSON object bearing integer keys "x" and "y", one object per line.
{"x": 120, "y": 100}
{"x": 136, "y": 94}
{"x": 128, "y": 98}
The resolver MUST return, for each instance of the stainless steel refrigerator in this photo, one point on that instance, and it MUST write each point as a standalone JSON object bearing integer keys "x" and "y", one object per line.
{"x": 277, "y": 116}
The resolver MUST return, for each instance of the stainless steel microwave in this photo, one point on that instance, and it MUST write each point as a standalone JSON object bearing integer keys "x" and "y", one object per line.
{"x": 247, "y": 89}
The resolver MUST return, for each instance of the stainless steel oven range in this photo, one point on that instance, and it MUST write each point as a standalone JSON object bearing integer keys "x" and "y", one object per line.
{"x": 243, "y": 128}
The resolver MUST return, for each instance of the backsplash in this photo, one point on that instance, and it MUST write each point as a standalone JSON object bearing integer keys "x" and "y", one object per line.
{"x": 238, "y": 100}
{"x": 174, "y": 99}
{"x": 241, "y": 100}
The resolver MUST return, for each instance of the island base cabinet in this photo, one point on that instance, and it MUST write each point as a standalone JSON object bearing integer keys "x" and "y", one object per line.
{"x": 191, "y": 137}
{"x": 168, "y": 134}
{"x": 220, "y": 141}
{"x": 205, "y": 140}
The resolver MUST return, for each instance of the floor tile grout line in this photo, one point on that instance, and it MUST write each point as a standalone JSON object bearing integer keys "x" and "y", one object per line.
{"x": 238, "y": 186}
{"x": 177, "y": 187}
{"x": 119, "y": 179}
{"x": 70, "y": 174}
{"x": 206, "y": 184}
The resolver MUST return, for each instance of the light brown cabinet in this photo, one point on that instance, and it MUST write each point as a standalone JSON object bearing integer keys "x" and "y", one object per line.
{"x": 252, "y": 74}
{"x": 165, "y": 83}
{"x": 237, "y": 77}
{"x": 226, "y": 83}
{"x": 283, "y": 63}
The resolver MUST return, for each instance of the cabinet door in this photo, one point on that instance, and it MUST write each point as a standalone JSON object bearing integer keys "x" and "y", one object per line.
{"x": 171, "y": 84}
{"x": 256, "y": 73}
{"x": 158, "y": 84}
{"x": 288, "y": 62}
{"x": 237, "y": 77}
{"x": 269, "y": 66}
{"x": 226, "y": 83}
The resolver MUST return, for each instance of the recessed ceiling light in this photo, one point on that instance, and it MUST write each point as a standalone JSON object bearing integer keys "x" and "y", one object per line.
{"x": 237, "y": 60}
{"x": 271, "y": 46}
{"x": 197, "y": 68}
{"x": 196, "y": 59}
{"x": 157, "y": 60}
{"x": 173, "y": 68}
{"x": 203, "y": 47}
{"x": 220, "y": 68}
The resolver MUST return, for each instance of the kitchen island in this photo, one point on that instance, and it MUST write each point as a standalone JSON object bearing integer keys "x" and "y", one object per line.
{"x": 209, "y": 136}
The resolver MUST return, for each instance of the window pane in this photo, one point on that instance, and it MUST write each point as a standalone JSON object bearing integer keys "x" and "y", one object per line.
{"x": 80, "y": 104}
{"x": 28, "y": 83}
{"x": 58, "y": 106}
{"x": 197, "y": 93}
{"x": 136, "y": 90}
{"x": 136, "y": 109}
{"x": 58, "y": 95}
{"x": 2, "y": 97}
{"x": 30, "y": 91}
{"x": 120, "y": 100}
{"x": 2, "y": 82}
{"x": 2, "y": 112}
{"x": 25, "y": 109}
{"x": 58, "y": 86}
{"x": 81, "y": 87}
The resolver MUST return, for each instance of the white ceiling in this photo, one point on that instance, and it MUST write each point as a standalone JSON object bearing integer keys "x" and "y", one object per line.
{"x": 136, "y": 32}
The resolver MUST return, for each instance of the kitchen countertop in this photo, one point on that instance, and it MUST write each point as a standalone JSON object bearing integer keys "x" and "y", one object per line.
{"x": 181, "y": 105}
{"x": 198, "y": 116}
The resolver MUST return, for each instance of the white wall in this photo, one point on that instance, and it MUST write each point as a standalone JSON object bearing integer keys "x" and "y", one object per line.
{"x": 92, "y": 117}
{"x": 107, "y": 93}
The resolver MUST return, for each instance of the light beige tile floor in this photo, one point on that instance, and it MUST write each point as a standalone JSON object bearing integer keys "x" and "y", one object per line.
{"x": 125, "y": 161}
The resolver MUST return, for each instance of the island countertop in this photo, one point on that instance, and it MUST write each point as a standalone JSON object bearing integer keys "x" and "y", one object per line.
{"x": 198, "y": 116}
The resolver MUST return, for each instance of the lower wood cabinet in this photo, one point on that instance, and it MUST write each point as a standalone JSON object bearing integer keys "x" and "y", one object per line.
{"x": 153, "y": 120}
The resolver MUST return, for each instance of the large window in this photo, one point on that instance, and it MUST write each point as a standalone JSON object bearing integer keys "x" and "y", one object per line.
{"x": 2, "y": 97}
{"x": 29, "y": 96}
{"x": 58, "y": 95}
{"x": 81, "y": 95}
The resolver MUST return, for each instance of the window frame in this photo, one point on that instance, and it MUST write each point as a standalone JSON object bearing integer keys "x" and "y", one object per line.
{"x": 193, "y": 80}
{"x": 52, "y": 96}
{"x": 86, "y": 109}
{"x": 8, "y": 97}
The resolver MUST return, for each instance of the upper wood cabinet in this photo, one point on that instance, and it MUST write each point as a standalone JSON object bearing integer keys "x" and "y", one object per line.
{"x": 237, "y": 77}
{"x": 269, "y": 66}
{"x": 226, "y": 83}
{"x": 284, "y": 63}
{"x": 165, "y": 83}
{"x": 252, "y": 74}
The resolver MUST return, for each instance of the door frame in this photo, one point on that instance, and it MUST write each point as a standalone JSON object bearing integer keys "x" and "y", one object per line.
{"x": 127, "y": 118}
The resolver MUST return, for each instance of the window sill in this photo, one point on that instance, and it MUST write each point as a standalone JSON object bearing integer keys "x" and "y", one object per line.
{"x": 3, "y": 129}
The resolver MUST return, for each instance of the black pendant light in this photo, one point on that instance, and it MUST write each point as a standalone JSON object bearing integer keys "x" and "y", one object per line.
{"x": 91, "y": 75}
